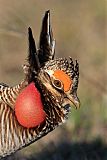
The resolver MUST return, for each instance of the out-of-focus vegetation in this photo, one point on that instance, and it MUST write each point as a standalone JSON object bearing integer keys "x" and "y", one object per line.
{"x": 80, "y": 31}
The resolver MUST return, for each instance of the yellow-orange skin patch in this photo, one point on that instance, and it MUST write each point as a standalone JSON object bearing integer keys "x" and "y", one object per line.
{"x": 64, "y": 78}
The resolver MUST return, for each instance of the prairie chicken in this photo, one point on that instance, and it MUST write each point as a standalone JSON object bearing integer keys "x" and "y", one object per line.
{"x": 51, "y": 85}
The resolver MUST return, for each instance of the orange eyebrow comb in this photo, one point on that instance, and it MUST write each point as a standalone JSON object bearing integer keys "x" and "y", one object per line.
{"x": 64, "y": 78}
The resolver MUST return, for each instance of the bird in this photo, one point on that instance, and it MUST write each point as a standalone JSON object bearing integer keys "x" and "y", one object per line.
{"x": 50, "y": 85}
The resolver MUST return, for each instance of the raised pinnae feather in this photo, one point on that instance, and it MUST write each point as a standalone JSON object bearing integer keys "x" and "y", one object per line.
{"x": 32, "y": 57}
{"x": 47, "y": 43}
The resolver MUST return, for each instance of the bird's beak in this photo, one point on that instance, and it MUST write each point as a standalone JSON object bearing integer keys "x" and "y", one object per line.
{"x": 74, "y": 100}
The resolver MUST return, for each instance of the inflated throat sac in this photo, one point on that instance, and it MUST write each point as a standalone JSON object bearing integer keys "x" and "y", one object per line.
{"x": 29, "y": 108}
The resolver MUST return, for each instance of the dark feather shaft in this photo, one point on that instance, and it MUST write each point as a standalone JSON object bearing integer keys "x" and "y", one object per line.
{"x": 47, "y": 43}
{"x": 32, "y": 57}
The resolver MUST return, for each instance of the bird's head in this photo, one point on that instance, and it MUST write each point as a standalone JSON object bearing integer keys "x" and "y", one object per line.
{"x": 59, "y": 81}
{"x": 56, "y": 79}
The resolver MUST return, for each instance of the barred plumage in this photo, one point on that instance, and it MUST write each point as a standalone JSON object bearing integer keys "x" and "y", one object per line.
{"x": 8, "y": 94}
{"x": 56, "y": 101}
{"x": 12, "y": 135}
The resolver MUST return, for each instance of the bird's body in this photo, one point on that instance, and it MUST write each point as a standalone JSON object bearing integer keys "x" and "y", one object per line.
{"x": 56, "y": 80}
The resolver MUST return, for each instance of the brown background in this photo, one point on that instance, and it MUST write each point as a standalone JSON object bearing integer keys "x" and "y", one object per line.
{"x": 80, "y": 31}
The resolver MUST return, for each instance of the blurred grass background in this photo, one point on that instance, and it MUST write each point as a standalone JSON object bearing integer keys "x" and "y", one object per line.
{"x": 80, "y": 31}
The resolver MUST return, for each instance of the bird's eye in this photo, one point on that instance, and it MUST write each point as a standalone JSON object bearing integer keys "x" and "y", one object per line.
{"x": 57, "y": 84}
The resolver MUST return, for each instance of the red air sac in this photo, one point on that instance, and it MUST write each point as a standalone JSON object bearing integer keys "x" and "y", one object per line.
{"x": 29, "y": 108}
